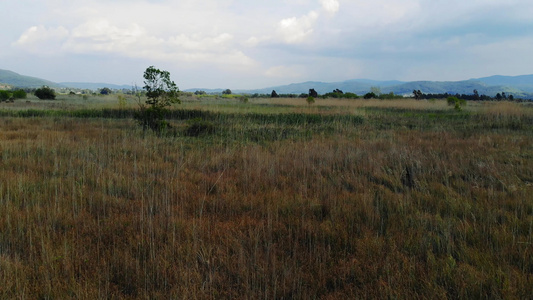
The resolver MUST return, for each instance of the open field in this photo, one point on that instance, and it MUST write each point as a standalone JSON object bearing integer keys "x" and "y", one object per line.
{"x": 270, "y": 199}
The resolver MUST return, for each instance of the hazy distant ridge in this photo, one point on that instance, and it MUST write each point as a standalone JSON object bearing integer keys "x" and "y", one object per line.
{"x": 12, "y": 78}
{"x": 94, "y": 85}
{"x": 519, "y": 86}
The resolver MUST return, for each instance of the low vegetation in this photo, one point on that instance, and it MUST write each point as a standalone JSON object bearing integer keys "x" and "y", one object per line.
{"x": 270, "y": 198}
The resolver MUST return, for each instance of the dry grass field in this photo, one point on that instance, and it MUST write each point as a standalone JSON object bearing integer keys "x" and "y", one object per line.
{"x": 359, "y": 199}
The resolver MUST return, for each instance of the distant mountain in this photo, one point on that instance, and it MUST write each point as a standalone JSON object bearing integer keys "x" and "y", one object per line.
{"x": 453, "y": 87}
{"x": 523, "y": 82}
{"x": 358, "y": 86}
{"x": 519, "y": 86}
{"x": 94, "y": 86}
{"x": 209, "y": 91}
{"x": 17, "y": 80}
{"x": 14, "y": 79}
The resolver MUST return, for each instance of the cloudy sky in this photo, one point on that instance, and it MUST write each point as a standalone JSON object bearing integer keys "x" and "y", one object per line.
{"x": 258, "y": 43}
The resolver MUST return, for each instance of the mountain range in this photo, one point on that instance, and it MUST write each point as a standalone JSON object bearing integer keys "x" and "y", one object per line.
{"x": 518, "y": 86}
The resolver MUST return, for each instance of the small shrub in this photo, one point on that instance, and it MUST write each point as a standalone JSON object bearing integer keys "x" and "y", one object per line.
{"x": 457, "y": 103}
{"x": 121, "y": 101}
{"x": 197, "y": 127}
{"x": 310, "y": 100}
{"x": 244, "y": 99}
{"x": 152, "y": 117}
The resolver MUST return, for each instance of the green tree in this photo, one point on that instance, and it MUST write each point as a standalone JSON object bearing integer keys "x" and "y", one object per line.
{"x": 310, "y": 100}
{"x": 161, "y": 93}
{"x": 370, "y": 95}
{"x": 20, "y": 94}
{"x": 226, "y": 92}
{"x": 106, "y": 91}
{"x": 274, "y": 94}
{"x": 418, "y": 94}
{"x": 45, "y": 93}
{"x": 4, "y": 95}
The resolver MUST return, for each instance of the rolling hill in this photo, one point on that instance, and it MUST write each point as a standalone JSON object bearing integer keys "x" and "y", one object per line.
{"x": 17, "y": 80}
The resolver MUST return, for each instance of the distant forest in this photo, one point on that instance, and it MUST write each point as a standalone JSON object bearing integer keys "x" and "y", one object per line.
{"x": 417, "y": 94}
{"x": 475, "y": 96}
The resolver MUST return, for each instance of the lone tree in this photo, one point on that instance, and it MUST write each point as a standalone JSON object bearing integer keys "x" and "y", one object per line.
{"x": 274, "y": 94}
{"x": 4, "y": 95}
{"x": 370, "y": 95}
{"x": 45, "y": 93}
{"x": 226, "y": 92}
{"x": 417, "y": 94}
{"x": 313, "y": 93}
{"x": 161, "y": 93}
{"x": 106, "y": 91}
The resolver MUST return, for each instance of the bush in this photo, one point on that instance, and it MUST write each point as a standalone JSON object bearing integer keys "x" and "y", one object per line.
{"x": 121, "y": 101}
{"x": 20, "y": 94}
{"x": 45, "y": 93}
{"x": 310, "y": 100}
{"x": 4, "y": 95}
{"x": 197, "y": 127}
{"x": 152, "y": 117}
{"x": 370, "y": 95}
{"x": 350, "y": 95}
{"x": 456, "y": 102}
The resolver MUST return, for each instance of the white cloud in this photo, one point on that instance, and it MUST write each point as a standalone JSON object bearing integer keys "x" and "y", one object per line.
{"x": 231, "y": 39}
{"x": 284, "y": 72}
{"x": 100, "y": 37}
{"x": 198, "y": 43}
{"x": 256, "y": 41}
{"x": 41, "y": 40}
{"x": 331, "y": 6}
{"x": 296, "y": 30}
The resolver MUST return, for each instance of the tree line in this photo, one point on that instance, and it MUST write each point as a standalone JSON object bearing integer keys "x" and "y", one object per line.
{"x": 475, "y": 96}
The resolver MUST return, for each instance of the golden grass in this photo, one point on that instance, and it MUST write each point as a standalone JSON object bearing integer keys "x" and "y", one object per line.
{"x": 92, "y": 208}
{"x": 507, "y": 109}
{"x": 360, "y": 103}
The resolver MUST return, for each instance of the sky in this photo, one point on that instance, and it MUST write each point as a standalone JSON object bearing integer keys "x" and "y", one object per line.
{"x": 247, "y": 44}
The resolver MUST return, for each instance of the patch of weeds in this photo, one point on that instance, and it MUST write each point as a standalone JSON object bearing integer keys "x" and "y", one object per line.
{"x": 198, "y": 126}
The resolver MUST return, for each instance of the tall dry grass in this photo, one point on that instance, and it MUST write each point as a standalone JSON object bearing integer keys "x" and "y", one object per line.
{"x": 91, "y": 208}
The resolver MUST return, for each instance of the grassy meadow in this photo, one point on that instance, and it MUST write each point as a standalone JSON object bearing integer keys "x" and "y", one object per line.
{"x": 270, "y": 199}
